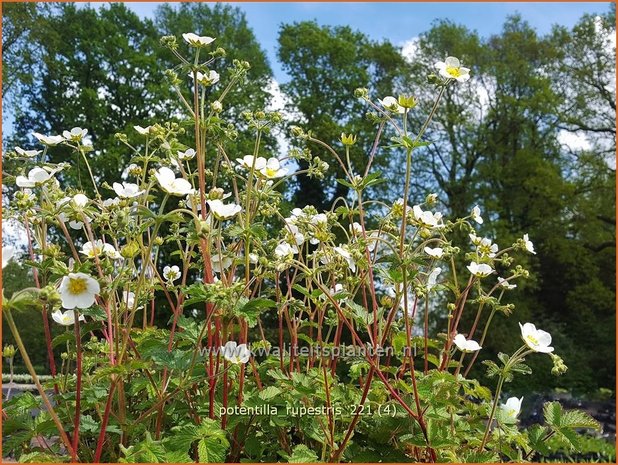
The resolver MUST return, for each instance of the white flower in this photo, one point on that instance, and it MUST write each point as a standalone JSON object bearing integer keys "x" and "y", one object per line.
{"x": 75, "y": 135}
{"x": 27, "y": 153}
{"x": 466, "y": 345}
{"x": 391, "y": 104}
{"x": 486, "y": 247}
{"x": 99, "y": 248}
{"x": 426, "y": 218}
{"x": 208, "y": 79}
{"x": 480, "y": 269}
{"x": 80, "y": 200}
{"x": 537, "y": 339}
{"x": 528, "y": 244}
{"x": 285, "y": 250}
{"x": 48, "y": 140}
{"x": 348, "y": 258}
{"x": 127, "y": 190}
{"x": 476, "y": 214}
{"x": 107, "y": 203}
{"x": 8, "y": 252}
{"x": 319, "y": 218}
{"x": 172, "y": 185}
{"x": 216, "y": 106}
{"x": 220, "y": 263}
{"x": 78, "y": 290}
{"x": 254, "y": 258}
{"x": 452, "y": 69}
{"x": 237, "y": 354}
{"x": 171, "y": 273}
{"x": 36, "y": 177}
{"x": 128, "y": 298}
{"x": 293, "y": 230}
{"x": 248, "y": 160}
{"x": 66, "y": 318}
{"x": 273, "y": 169}
{"x": 433, "y": 278}
{"x": 143, "y": 131}
{"x": 356, "y": 228}
{"x": 505, "y": 284}
{"x": 197, "y": 41}
{"x": 510, "y": 410}
{"x": 186, "y": 155}
{"x": 223, "y": 211}
{"x": 436, "y": 252}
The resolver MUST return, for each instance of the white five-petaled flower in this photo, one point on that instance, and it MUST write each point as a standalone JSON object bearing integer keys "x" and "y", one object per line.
{"x": 537, "y": 339}
{"x": 236, "y": 353}
{"x": 435, "y": 252}
{"x": 480, "y": 269}
{"x": 223, "y": 211}
{"x": 285, "y": 250}
{"x": 78, "y": 290}
{"x": 426, "y": 218}
{"x": 207, "y": 79}
{"x": 433, "y": 278}
{"x": 347, "y": 257}
{"x": 220, "y": 262}
{"x": 36, "y": 177}
{"x": 249, "y": 161}
{"x": 391, "y": 104}
{"x": 197, "y": 41}
{"x": 48, "y": 140}
{"x": 127, "y": 190}
{"x": 27, "y": 153}
{"x": 505, "y": 284}
{"x": 451, "y": 69}
{"x": 75, "y": 134}
{"x": 171, "y": 273}
{"x": 273, "y": 169}
{"x": 66, "y": 318}
{"x": 476, "y": 214}
{"x": 528, "y": 244}
{"x": 186, "y": 155}
{"x": 128, "y": 298}
{"x": 466, "y": 345}
{"x": 172, "y": 185}
{"x": 8, "y": 252}
{"x": 143, "y": 131}
{"x": 510, "y": 410}
{"x": 99, "y": 248}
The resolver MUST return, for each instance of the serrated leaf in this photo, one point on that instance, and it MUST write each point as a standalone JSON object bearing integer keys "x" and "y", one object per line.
{"x": 302, "y": 454}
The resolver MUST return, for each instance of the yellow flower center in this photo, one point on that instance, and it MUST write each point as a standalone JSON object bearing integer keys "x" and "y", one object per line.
{"x": 270, "y": 172}
{"x": 77, "y": 285}
{"x": 455, "y": 72}
{"x": 533, "y": 340}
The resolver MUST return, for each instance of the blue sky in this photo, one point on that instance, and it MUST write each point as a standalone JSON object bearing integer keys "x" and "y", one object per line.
{"x": 397, "y": 22}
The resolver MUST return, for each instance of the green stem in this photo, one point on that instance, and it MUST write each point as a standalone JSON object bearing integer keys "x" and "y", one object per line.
{"x": 35, "y": 378}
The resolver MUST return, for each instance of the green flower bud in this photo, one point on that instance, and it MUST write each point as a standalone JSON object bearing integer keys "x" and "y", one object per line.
{"x": 9, "y": 351}
{"x": 130, "y": 250}
{"x": 169, "y": 42}
{"x": 407, "y": 101}
{"x": 348, "y": 139}
{"x": 361, "y": 92}
{"x": 158, "y": 240}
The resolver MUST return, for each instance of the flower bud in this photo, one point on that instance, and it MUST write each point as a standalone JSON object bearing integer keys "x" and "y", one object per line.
{"x": 431, "y": 199}
{"x": 348, "y": 139}
{"x": 169, "y": 42}
{"x": 216, "y": 106}
{"x": 9, "y": 351}
{"x": 407, "y": 101}
{"x": 361, "y": 92}
{"x": 49, "y": 295}
{"x": 215, "y": 193}
{"x": 130, "y": 250}
{"x": 158, "y": 240}
{"x": 559, "y": 366}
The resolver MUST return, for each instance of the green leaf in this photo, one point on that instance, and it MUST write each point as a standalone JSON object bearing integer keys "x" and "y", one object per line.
{"x": 302, "y": 454}
{"x": 269, "y": 392}
{"x": 250, "y": 309}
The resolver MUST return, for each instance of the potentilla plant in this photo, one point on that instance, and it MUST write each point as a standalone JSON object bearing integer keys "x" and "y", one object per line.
{"x": 203, "y": 321}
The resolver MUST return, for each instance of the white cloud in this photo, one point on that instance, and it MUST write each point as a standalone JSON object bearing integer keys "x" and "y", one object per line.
{"x": 573, "y": 140}
{"x": 409, "y": 48}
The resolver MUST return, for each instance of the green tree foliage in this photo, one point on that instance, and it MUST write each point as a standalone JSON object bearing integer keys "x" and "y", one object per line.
{"x": 325, "y": 65}
{"x": 103, "y": 69}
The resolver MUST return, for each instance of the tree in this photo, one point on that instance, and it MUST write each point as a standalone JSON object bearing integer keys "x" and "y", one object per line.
{"x": 326, "y": 64}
